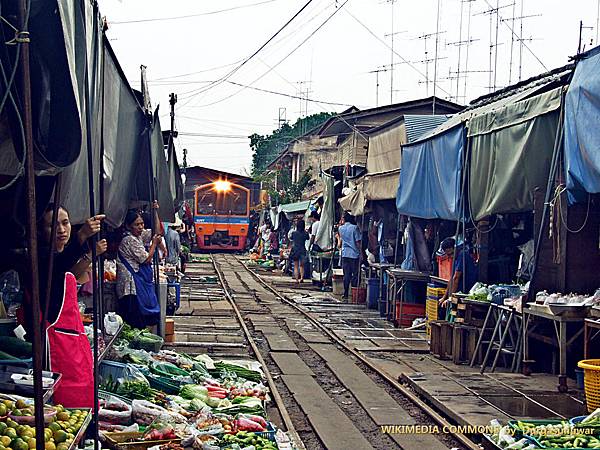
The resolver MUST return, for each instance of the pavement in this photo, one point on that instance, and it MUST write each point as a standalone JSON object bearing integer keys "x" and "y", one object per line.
{"x": 458, "y": 391}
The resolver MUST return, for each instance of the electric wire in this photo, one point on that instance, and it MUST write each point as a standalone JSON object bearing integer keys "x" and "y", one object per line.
{"x": 281, "y": 60}
{"x": 249, "y": 58}
{"x": 188, "y": 16}
{"x": 9, "y": 82}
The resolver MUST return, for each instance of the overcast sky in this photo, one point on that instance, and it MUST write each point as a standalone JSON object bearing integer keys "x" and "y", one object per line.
{"x": 186, "y": 49}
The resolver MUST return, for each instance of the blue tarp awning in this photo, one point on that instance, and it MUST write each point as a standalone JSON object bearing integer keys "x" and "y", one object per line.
{"x": 430, "y": 178}
{"x": 582, "y": 137}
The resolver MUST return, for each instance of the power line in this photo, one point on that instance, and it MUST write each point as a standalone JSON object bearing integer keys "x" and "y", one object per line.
{"x": 339, "y": 8}
{"x": 323, "y": 102}
{"x": 197, "y": 72}
{"x": 232, "y": 72}
{"x": 188, "y": 16}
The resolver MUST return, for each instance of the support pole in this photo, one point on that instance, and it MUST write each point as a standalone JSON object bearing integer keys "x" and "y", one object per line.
{"x": 92, "y": 211}
{"x": 32, "y": 243}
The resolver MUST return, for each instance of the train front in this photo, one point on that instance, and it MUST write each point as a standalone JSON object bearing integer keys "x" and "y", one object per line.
{"x": 222, "y": 216}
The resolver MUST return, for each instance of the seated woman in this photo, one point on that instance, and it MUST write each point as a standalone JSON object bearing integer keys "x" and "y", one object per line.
{"x": 138, "y": 303}
{"x": 68, "y": 348}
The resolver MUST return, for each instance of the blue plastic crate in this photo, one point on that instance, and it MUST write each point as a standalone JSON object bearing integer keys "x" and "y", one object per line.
{"x": 269, "y": 434}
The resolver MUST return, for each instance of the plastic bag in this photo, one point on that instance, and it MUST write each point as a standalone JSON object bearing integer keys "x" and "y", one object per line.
{"x": 9, "y": 292}
{"x": 112, "y": 323}
{"x": 159, "y": 431}
{"x": 145, "y": 413}
{"x": 114, "y": 411}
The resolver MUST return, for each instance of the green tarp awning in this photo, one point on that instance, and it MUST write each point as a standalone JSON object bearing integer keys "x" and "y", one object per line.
{"x": 294, "y": 207}
{"x": 511, "y": 150}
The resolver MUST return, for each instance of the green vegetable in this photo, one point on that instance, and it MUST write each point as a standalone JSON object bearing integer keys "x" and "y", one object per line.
{"x": 166, "y": 369}
{"x": 192, "y": 391}
{"x": 239, "y": 371}
{"x": 16, "y": 347}
{"x": 136, "y": 390}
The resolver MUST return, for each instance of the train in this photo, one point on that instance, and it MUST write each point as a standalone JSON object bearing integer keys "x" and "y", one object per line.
{"x": 221, "y": 216}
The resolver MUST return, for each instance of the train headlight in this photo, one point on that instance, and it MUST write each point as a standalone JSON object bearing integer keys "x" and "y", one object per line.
{"x": 222, "y": 186}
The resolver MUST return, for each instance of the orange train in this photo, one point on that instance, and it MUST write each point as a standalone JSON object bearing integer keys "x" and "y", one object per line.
{"x": 221, "y": 216}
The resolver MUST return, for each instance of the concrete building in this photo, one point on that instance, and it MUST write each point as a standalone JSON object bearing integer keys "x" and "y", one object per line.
{"x": 342, "y": 140}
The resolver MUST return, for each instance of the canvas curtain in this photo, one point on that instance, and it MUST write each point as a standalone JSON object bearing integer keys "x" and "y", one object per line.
{"x": 85, "y": 44}
{"x": 384, "y": 149}
{"x": 430, "y": 179}
{"x": 355, "y": 201}
{"x": 324, "y": 237}
{"x": 582, "y": 139}
{"x": 511, "y": 151}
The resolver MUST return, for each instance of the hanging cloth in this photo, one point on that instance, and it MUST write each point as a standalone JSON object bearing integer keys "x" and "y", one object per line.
{"x": 146, "y": 308}
{"x": 69, "y": 352}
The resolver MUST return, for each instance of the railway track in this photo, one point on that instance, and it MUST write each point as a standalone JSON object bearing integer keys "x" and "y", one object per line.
{"x": 328, "y": 395}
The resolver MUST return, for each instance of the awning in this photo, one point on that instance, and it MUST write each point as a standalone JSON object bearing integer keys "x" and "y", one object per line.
{"x": 381, "y": 186}
{"x": 582, "y": 138}
{"x": 511, "y": 151}
{"x": 354, "y": 202}
{"x": 384, "y": 149}
{"x": 297, "y": 207}
{"x": 430, "y": 178}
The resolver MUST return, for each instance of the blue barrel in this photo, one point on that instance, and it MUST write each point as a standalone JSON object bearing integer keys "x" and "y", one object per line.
{"x": 372, "y": 292}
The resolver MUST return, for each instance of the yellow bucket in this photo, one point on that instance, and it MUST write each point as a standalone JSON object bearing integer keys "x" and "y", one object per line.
{"x": 591, "y": 381}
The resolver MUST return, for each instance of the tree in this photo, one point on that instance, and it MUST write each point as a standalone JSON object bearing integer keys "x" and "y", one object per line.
{"x": 285, "y": 191}
{"x": 266, "y": 148}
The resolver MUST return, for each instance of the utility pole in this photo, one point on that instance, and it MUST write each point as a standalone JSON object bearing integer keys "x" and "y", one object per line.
{"x": 282, "y": 117}
{"x": 172, "y": 101}
{"x": 581, "y": 47}
{"x": 377, "y": 72}
{"x": 493, "y": 54}
{"x": 435, "y": 64}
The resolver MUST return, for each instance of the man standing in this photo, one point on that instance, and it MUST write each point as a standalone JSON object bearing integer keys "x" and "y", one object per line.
{"x": 314, "y": 229}
{"x": 464, "y": 268}
{"x": 173, "y": 246}
{"x": 350, "y": 238}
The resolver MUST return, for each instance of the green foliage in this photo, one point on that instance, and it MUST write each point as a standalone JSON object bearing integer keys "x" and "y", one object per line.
{"x": 285, "y": 191}
{"x": 266, "y": 148}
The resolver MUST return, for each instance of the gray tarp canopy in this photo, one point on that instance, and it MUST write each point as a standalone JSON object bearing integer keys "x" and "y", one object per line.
{"x": 511, "y": 149}
{"x": 121, "y": 131}
{"x": 296, "y": 207}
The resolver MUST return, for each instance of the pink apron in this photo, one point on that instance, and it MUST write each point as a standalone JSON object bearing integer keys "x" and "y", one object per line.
{"x": 70, "y": 353}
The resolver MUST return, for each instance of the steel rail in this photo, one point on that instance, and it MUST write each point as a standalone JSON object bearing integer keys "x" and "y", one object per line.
{"x": 273, "y": 388}
{"x": 433, "y": 414}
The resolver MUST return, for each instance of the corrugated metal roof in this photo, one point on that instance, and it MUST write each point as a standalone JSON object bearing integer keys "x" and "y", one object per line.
{"x": 418, "y": 125}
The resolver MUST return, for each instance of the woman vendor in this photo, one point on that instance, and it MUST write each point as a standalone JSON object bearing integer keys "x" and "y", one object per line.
{"x": 68, "y": 348}
{"x": 138, "y": 303}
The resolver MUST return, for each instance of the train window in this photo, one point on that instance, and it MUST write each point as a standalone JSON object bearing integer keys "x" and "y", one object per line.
{"x": 234, "y": 201}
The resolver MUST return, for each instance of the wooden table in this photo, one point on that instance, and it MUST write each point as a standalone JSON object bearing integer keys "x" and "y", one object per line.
{"x": 397, "y": 279}
{"x": 591, "y": 330}
{"x": 561, "y": 340}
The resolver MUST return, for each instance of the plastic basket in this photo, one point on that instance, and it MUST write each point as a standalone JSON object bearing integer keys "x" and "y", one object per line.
{"x": 269, "y": 434}
{"x": 431, "y": 312}
{"x": 591, "y": 381}
{"x": 111, "y": 369}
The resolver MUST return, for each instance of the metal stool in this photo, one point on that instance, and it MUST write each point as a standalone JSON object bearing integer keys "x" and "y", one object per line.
{"x": 506, "y": 337}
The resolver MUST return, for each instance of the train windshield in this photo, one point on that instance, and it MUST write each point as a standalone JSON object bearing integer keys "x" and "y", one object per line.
{"x": 234, "y": 201}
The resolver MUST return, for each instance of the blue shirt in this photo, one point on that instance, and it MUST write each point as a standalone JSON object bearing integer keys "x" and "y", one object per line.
{"x": 349, "y": 233}
{"x": 464, "y": 264}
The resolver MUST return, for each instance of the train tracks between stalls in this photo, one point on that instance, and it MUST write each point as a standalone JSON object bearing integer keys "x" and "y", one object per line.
{"x": 329, "y": 395}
